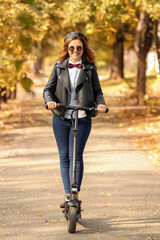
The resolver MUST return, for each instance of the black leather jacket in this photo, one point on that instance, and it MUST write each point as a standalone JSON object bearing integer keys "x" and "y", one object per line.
{"x": 88, "y": 90}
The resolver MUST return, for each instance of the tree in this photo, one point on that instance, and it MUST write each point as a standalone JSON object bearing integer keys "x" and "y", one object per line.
{"x": 45, "y": 47}
{"x": 157, "y": 41}
{"x": 149, "y": 12}
{"x": 117, "y": 20}
{"x": 118, "y": 52}
{"x": 20, "y": 25}
{"x": 143, "y": 43}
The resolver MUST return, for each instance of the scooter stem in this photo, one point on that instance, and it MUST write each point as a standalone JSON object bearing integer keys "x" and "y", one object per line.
{"x": 75, "y": 147}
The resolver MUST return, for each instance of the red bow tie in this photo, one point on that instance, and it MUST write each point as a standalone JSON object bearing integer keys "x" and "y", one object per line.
{"x": 70, "y": 65}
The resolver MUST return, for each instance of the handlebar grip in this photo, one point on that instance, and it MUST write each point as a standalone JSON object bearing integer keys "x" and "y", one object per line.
{"x": 60, "y": 105}
{"x": 107, "y": 110}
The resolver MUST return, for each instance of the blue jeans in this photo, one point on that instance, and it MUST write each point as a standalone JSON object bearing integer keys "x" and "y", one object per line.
{"x": 64, "y": 137}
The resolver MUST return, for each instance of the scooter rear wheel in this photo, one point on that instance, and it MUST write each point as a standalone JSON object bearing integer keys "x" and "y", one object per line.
{"x": 72, "y": 219}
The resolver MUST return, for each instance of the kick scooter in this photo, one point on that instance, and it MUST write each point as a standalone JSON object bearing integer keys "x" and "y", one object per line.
{"x": 72, "y": 211}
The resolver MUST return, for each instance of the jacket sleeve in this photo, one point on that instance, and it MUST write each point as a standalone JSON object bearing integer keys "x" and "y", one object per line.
{"x": 98, "y": 94}
{"x": 49, "y": 90}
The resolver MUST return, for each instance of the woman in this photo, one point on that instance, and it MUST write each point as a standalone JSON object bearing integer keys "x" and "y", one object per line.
{"x": 73, "y": 81}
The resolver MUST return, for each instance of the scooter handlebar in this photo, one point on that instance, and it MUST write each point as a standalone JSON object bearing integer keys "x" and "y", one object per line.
{"x": 79, "y": 108}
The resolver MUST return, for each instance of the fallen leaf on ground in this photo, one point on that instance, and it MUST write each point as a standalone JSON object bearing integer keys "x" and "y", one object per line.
{"x": 132, "y": 208}
{"x": 109, "y": 195}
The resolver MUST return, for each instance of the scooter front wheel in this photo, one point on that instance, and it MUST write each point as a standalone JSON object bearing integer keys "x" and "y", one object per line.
{"x": 72, "y": 219}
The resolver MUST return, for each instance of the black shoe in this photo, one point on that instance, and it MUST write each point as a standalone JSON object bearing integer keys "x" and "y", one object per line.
{"x": 67, "y": 199}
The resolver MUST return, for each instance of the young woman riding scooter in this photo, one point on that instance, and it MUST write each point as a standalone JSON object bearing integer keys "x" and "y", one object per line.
{"x": 73, "y": 81}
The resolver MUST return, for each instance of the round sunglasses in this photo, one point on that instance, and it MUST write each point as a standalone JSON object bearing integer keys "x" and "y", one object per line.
{"x": 72, "y": 48}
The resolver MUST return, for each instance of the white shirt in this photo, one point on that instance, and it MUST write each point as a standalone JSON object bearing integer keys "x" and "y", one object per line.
{"x": 73, "y": 75}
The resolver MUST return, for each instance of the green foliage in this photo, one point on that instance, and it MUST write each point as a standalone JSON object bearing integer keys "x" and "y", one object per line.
{"x": 18, "y": 64}
{"x": 30, "y": 2}
{"x": 26, "y": 42}
{"x": 20, "y": 26}
{"x": 26, "y": 83}
{"x": 26, "y": 20}
{"x": 101, "y": 16}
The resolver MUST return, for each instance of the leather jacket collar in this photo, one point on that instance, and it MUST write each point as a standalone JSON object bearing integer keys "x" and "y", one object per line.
{"x": 65, "y": 74}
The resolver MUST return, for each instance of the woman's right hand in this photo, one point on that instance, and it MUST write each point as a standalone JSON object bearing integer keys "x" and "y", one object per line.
{"x": 52, "y": 105}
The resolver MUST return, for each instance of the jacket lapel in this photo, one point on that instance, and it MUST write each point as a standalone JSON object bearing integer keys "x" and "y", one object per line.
{"x": 64, "y": 76}
{"x": 82, "y": 75}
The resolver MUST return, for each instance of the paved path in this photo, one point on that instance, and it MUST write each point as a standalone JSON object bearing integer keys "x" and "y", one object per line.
{"x": 120, "y": 189}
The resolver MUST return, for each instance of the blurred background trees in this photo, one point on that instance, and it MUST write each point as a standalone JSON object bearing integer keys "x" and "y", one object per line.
{"x": 33, "y": 31}
{"x": 21, "y": 27}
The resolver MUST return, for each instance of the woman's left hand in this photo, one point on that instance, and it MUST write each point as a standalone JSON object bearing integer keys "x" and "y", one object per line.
{"x": 101, "y": 108}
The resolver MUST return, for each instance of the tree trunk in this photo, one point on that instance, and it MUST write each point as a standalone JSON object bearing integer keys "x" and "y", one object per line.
{"x": 143, "y": 43}
{"x": 13, "y": 94}
{"x": 141, "y": 78}
{"x": 38, "y": 65}
{"x": 3, "y": 95}
{"x": 157, "y": 42}
{"x": 38, "y": 53}
{"x": 117, "y": 63}
{"x": 6, "y": 93}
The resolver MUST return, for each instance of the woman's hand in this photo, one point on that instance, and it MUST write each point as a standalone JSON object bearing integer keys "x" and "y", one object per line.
{"x": 52, "y": 105}
{"x": 102, "y": 108}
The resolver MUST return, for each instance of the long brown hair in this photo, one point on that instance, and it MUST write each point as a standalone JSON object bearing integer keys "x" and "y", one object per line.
{"x": 88, "y": 54}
